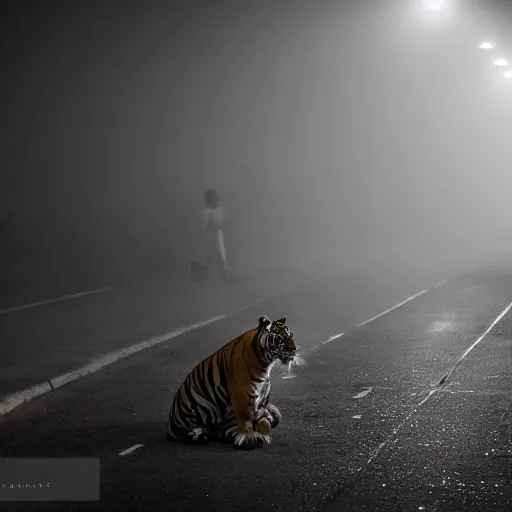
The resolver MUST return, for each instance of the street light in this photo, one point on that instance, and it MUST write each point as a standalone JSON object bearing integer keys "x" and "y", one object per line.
{"x": 486, "y": 46}
{"x": 435, "y": 11}
{"x": 507, "y": 74}
{"x": 434, "y": 5}
{"x": 500, "y": 62}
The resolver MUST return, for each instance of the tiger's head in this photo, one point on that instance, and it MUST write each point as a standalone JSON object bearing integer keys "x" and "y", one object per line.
{"x": 278, "y": 341}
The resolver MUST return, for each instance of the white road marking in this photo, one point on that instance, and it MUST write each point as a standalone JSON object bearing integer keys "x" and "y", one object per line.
{"x": 57, "y": 299}
{"x": 498, "y": 318}
{"x": 363, "y": 393}
{"x": 357, "y": 417}
{"x": 412, "y": 297}
{"x": 332, "y": 338}
{"x": 131, "y": 449}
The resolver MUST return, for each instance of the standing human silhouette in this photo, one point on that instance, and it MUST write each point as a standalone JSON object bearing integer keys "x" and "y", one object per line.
{"x": 214, "y": 223}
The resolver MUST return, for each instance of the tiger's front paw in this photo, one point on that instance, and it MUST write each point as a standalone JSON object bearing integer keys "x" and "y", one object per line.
{"x": 263, "y": 426}
{"x": 274, "y": 415}
{"x": 250, "y": 440}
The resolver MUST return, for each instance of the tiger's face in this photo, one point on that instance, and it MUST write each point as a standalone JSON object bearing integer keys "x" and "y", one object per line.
{"x": 279, "y": 341}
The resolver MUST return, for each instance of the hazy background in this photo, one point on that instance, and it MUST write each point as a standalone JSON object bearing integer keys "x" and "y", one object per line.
{"x": 344, "y": 130}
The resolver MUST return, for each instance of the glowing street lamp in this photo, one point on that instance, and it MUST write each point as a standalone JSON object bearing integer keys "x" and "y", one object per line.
{"x": 500, "y": 62}
{"x": 507, "y": 74}
{"x": 434, "y": 5}
{"x": 486, "y": 46}
{"x": 434, "y": 11}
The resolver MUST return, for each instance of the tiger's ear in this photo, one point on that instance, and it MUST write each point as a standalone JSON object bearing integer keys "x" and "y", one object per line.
{"x": 265, "y": 322}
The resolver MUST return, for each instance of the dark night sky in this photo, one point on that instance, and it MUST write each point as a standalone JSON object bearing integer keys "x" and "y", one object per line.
{"x": 319, "y": 122}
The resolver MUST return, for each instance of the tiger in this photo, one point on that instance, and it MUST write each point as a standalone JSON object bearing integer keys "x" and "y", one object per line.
{"x": 226, "y": 396}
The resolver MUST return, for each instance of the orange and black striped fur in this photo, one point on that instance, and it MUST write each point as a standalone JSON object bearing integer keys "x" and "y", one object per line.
{"x": 226, "y": 396}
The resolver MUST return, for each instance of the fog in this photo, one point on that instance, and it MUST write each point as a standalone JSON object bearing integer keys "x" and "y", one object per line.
{"x": 335, "y": 131}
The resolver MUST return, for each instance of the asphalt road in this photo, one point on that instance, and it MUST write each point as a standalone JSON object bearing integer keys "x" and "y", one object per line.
{"x": 366, "y": 425}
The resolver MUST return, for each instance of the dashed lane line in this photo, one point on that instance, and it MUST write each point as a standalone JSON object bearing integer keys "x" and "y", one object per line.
{"x": 363, "y": 393}
{"x": 332, "y": 338}
{"x": 131, "y": 449}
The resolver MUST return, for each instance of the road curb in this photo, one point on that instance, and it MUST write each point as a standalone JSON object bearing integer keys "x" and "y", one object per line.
{"x": 14, "y": 400}
{"x": 11, "y": 402}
